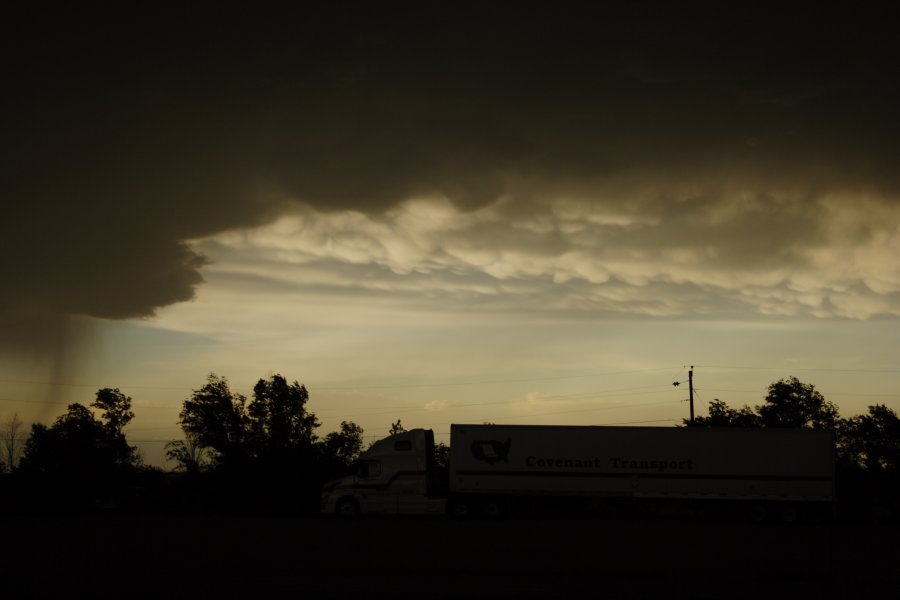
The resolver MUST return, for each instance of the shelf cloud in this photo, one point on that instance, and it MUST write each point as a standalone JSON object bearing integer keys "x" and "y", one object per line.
{"x": 634, "y": 160}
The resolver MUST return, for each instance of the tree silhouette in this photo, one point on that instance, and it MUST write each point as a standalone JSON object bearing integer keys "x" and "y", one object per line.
{"x": 274, "y": 424}
{"x": 442, "y": 455}
{"x": 278, "y": 421}
{"x": 721, "y": 415}
{"x": 215, "y": 418}
{"x": 76, "y": 443}
{"x": 788, "y": 403}
{"x": 872, "y": 441}
{"x": 188, "y": 454}
{"x": 263, "y": 454}
{"x": 11, "y": 440}
{"x": 792, "y": 403}
{"x": 343, "y": 447}
{"x": 116, "y": 408}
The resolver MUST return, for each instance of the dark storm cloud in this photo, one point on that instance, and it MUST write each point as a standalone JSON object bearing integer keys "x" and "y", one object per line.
{"x": 128, "y": 132}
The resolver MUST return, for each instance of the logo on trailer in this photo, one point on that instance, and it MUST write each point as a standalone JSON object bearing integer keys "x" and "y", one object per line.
{"x": 491, "y": 451}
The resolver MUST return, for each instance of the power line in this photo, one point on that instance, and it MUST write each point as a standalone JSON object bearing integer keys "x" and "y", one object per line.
{"x": 594, "y": 425}
{"x": 364, "y": 387}
{"x": 861, "y": 394}
{"x": 66, "y": 403}
{"x": 786, "y": 368}
{"x": 581, "y": 410}
{"x": 631, "y": 391}
{"x": 492, "y": 381}
{"x": 496, "y": 403}
{"x": 474, "y": 382}
{"x": 88, "y": 385}
{"x": 563, "y": 412}
{"x": 637, "y": 422}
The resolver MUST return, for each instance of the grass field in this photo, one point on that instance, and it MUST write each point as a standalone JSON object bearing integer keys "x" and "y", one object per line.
{"x": 156, "y": 556}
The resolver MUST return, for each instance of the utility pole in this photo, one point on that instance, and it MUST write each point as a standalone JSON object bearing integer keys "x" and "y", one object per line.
{"x": 691, "y": 389}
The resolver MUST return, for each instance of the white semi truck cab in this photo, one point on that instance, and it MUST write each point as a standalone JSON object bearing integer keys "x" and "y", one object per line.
{"x": 493, "y": 467}
{"x": 396, "y": 475}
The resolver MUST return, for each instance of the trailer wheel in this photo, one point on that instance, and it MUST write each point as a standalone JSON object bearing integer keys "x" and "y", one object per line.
{"x": 492, "y": 509}
{"x": 459, "y": 509}
{"x": 757, "y": 513}
{"x": 347, "y": 508}
{"x": 789, "y": 514}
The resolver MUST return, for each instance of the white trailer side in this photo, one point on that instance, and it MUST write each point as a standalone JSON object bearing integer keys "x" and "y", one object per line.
{"x": 788, "y": 465}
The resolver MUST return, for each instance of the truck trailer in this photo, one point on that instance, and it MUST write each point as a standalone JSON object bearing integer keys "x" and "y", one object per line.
{"x": 496, "y": 468}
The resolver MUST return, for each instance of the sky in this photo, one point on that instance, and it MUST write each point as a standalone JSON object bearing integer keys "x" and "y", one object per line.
{"x": 449, "y": 212}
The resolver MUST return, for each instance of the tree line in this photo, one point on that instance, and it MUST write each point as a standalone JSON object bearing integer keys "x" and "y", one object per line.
{"x": 265, "y": 450}
{"x": 869, "y": 442}
{"x": 867, "y": 446}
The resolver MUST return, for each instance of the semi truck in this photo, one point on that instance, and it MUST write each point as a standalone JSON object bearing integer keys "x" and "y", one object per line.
{"x": 497, "y": 468}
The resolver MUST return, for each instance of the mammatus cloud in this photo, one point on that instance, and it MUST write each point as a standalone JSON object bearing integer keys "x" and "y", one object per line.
{"x": 738, "y": 253}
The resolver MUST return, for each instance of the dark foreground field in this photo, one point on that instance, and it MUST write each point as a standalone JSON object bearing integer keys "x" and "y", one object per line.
{"x": 116, "y": 556}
